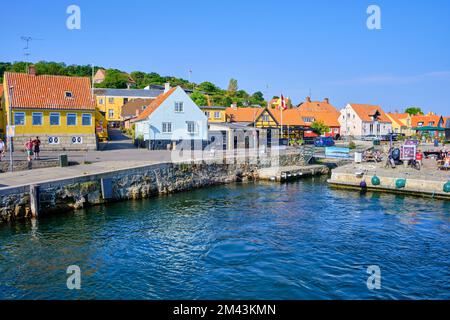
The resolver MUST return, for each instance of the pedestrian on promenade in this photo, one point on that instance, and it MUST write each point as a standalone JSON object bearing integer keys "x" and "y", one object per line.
{"x": 419, "y": 157}
{"x": 2, "y": 149}
{"x": 37, "y": 148}
{"x": 29, "y": 149}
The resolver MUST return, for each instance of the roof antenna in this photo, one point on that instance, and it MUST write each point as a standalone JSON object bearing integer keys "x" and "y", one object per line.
{"x": 26, "y": 51}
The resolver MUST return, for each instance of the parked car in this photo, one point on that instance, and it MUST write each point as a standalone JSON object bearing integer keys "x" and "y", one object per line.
{"x": 371, "y": 137}
{"x": 324, "y": 142}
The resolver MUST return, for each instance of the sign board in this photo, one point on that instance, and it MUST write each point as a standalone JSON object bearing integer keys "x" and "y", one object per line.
{"x": 408, "y": 152}
{"x": 411, "y": 142}
{"x": 10, "y": 131}
{"x": 336, "y": 152}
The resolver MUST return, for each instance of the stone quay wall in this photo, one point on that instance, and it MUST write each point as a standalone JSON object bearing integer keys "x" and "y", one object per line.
{"x": 133, "y": 183}
{"x": 65, "y": 143}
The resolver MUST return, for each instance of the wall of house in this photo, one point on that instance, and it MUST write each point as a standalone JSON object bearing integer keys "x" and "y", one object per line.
{"x": 166, "y": 113}
{"x": 266, "y": 121}
{"x": 105, "y": 105}
{"x": 351, "y": 124}
{"x": 210, "y": 114}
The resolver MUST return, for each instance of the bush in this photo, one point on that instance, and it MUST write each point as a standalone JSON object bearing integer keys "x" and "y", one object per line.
{"x": 352, "y": 145}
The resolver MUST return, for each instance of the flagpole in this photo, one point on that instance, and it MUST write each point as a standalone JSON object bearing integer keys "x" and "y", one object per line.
{"x": 281, "y": 115}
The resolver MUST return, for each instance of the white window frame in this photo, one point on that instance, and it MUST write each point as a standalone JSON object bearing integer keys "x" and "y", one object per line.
{"x": 51, "y": 140}
{"x": 217, "y": 115}
{"x": 111, "y": 100}
{"x": 90, "y": 119}
{"x": 32, "y": 119}
{"x": 176, "y": 106}
{"x": 166, "y": 127}
{"x": 194, "y": 124}
{"x": 54, "y": 114}
{"x": 101, "y": 101}
{"x": 109, "y": 113}
{"x": 67, "y": 119}
{"x": 24, "y": 118}
{"x": 208, "y": 114}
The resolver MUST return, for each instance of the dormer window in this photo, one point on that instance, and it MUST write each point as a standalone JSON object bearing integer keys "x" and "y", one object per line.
{"x": 68, "y": 94}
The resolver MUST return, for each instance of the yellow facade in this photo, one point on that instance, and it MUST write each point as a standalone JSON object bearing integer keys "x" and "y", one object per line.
{"x": 45, "y": 128}
{"x": 265, "y": 120}
{"x": 111, "y": 106}
{"x": 401, "y": 125}
{"x": 215, "y": 114}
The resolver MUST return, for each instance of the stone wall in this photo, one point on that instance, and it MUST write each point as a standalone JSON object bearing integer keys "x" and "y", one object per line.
{"x": 89, "y": 142}
{"x": 20, "y": 165}
{"x": 135, "y": 183}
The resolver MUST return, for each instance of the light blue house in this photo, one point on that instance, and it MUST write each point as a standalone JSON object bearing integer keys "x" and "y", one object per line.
{"x": 171, "y": 119}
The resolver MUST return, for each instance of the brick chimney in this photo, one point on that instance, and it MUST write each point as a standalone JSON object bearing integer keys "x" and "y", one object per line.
{"x": 138, "y": 112}
{"x": 166, "y": 87}
{"x": 308, "y": 99}
{"x": 234, "y": 105}
{"x": 31, "y": 70}
{"x": 326, "y": 100}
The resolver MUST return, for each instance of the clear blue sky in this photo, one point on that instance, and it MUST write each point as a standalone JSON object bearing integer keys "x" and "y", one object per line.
{"x": 291, "y": 46}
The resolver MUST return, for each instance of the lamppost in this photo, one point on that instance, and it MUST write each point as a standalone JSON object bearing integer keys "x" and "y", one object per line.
{"x": 10, "y": 141}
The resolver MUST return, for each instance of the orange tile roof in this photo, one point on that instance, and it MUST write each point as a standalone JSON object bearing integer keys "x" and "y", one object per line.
{"x": 1, "y": 89}
{"x": 329, "y": 118}
{"x": 291, "y": 117}
{"x": 249, "y": 114}
{"x": 48, "y": 92}
{"x": 365, "y": 111}
{"x": 154, "y": 105}
{"x": 396, "y": 117}
{"x": 315, "y": 106}
{"x": 426, "y": 119}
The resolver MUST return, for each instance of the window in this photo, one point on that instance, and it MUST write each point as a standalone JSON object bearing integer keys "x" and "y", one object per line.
{"x": 100, "y": 101}
{"x": 217, "y": 115}
{"x": 86, "y": 119}
{"x": 77, "y": 140}
{"x": 308, "y": 119}
{"x": 54, "y": 118}
{"x": 378, "y": 128}
{"x": 71, "y": 119}
{"x": 19, "y": 118}
{"x": 36, "y": 118}
{"x": 111, "y": 100}
{"x": 191, "y": 127}
{"x": 53, "y": 140}
{"x": 431, "y": 123}
{"x": 68, "y": 94}
{"x": 110, "y": 113}
{"x": 125, "y": 100}
{"x": 178, "y": 106}
{"x": 208, "y": 114}
{"x": 166, "y": 127}
{"x": 371, "y": 128}
{"x": 420, "y": 124}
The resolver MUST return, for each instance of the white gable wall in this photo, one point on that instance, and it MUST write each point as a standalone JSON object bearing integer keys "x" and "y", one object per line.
{"x": 152, "y": 128}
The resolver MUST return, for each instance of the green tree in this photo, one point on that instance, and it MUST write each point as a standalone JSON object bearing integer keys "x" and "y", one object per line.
{"x": 115, "y": 79}
{"x": 199, "y": 98}
{"x": 257, "y": 98}
{"x": 414, "y": 110}
{"x": 233, "y": 87}
{"x": 319, "y": 127}
{"x": 208, "y": 87}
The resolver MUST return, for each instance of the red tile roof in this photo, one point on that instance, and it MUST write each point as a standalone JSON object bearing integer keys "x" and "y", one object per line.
{"x": 330, "y": 119}
{"x": 249, "y": 114}
{"x": 426, "y": 119}
{"x": 154, "y": 104}
{"x": 315, "y": 106}
{"x": 1, "y": 89}
{"x": 49, "y": 92}
{"x": 396, "y": 117}
{"x": 291, "y": 117}
{"x": 365, "y": 111}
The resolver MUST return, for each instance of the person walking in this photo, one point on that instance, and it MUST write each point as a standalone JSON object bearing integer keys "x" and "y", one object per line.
{"x": 2, "y": 149}
{"x": 36, "y": 148}
{"x": 29, "y": 149}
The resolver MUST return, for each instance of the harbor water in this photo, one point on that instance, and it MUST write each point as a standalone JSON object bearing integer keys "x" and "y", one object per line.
{"x": 299, "y": 240}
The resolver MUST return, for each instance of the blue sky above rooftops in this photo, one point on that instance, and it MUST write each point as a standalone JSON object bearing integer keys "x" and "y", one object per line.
{"x": 290, "y": 47}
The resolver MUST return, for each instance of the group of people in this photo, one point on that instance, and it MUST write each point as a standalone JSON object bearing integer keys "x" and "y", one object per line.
{"x": 445, "y": 158}
{"x": 33, "y": 148}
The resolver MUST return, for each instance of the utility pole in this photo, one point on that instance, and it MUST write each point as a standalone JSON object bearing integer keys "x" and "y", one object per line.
{"x": 10, "y": 141}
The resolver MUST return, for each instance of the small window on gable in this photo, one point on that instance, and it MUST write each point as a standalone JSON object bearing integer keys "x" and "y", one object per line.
{"x": 68, "y": 94}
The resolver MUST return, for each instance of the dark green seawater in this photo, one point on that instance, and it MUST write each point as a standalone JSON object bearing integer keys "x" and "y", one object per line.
{"x": 256, "y": 241}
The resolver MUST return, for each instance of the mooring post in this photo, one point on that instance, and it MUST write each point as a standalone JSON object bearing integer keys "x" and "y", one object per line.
{"x": 34, "y": 200}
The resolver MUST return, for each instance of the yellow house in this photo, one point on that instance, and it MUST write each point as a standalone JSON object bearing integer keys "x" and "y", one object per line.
{"x": 111, "y": 101}
{"x": 59, "y": 110}
{"x": 214, "y": 113}
{"x": 401, "y": 123}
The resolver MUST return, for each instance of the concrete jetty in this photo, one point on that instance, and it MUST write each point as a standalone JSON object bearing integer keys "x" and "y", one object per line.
{"x": 428, "y": 182}
{"x": 289, "y": 173}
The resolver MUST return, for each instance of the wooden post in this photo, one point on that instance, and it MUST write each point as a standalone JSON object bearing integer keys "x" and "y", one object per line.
{"x": 34, "y": 200}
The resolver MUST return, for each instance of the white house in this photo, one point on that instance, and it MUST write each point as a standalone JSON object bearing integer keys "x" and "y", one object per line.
{"x": 360, "y": 120}
{"x": 170, "y": 119}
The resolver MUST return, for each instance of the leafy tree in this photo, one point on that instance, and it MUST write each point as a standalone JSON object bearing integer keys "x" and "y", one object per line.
{"x": 114, "y": 79}
{"x": 199, "y": 98}
{"x": 319, "y": 127}
{"x": 257, "y": 98}
{"x": 414, "y": 111}
{"x": 232, "y": 87}
{"x": 208, "y": 87}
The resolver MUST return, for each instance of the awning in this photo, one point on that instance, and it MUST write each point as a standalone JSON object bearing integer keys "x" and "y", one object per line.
{"x": 429, "y": 128}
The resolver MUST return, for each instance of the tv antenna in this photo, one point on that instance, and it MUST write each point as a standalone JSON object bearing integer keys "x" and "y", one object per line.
{"x": 26, "y": 50}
